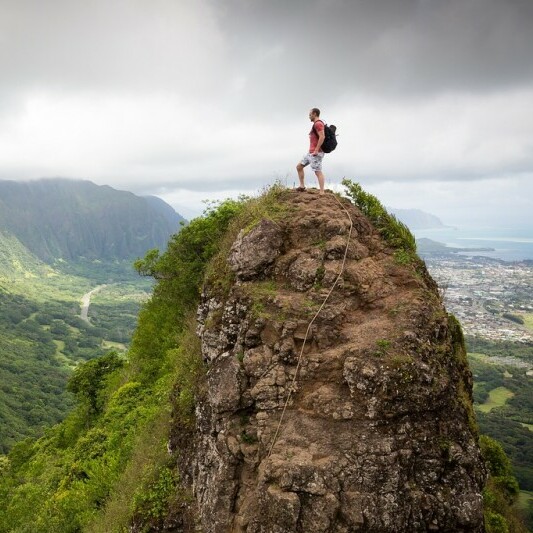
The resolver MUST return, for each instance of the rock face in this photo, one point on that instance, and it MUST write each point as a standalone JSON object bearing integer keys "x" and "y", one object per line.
{"x": 378, "y": 435}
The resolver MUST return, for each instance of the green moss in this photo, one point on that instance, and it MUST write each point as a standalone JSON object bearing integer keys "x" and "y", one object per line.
{"x": 155, "y": 494}
{"x": 320, "y": 243}
{"x": 189, "y": 371}
{"x": 214, "y": 319}
{"x": 248, "y": 438}
{"x": 458, "y": 338}
{"x": 261, "y": 295}
{"x": 397, "y": 309}
{"x": 445, "y": 446}
{"x": 400, "y": 360}
{"x": 383, "y": 345}
{"x": 258, "y": 310}
{"x": 464, "y": 393}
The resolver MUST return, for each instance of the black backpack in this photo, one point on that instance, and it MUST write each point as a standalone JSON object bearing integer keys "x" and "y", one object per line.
{"x": 330, "y": 138}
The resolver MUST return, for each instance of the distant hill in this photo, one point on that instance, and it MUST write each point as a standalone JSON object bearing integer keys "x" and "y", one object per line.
{"x": 416, "y": 219}
{"x": 67, "y": 219}
{"x": 427, "y": 246}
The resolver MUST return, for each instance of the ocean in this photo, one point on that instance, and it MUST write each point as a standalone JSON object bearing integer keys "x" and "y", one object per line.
{"x": 510, "y": 244}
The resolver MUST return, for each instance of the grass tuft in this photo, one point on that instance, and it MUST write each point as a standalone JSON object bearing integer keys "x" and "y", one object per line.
{"x": 395, "y": 232}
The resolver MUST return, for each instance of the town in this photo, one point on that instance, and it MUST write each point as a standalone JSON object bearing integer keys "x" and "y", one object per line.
{"x": 492, "y": 299}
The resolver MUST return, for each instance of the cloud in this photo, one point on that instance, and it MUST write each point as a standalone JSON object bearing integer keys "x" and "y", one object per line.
{"x": 115, "y": 45}
{"x": 396, "y": 49}
{"x": 449, "y": 137}
{"x": 504, "y": 202}
{"x": 206, "y": 98}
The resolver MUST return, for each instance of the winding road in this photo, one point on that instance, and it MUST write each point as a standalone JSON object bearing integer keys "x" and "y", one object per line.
{"x": 86, "y": 302}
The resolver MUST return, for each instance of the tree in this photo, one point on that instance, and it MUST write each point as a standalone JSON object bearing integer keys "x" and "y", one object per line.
{"x": 89, "y": 379}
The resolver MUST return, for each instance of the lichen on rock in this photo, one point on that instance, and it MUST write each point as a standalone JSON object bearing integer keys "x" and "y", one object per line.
{"x": 378, "y": 435}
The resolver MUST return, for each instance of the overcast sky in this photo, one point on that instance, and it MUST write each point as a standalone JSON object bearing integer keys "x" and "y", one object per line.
{"x": 203, "y": 99}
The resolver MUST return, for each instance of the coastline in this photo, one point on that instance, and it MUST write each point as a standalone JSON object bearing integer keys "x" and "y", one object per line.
{"x": 499, "y": 244}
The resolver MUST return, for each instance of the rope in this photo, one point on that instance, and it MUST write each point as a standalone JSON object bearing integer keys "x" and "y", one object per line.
{"x": 291, "y": 388}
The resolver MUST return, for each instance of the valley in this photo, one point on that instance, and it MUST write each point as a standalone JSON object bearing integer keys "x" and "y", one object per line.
{"x": 45, "y": 332}
{"x": 68, "y": 289}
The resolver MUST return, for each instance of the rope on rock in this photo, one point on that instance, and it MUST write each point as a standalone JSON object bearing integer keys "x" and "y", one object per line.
{"x": 291, "y": 388}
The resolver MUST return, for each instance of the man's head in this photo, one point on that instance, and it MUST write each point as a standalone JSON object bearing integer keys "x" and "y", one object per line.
{"x": 314, "y": 114}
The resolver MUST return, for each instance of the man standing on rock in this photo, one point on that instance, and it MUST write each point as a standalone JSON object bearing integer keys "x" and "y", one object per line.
{"x": 315, "y": 155}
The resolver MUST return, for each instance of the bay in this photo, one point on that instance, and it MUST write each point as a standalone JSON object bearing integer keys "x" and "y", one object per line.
{"x": 509, "y": 244}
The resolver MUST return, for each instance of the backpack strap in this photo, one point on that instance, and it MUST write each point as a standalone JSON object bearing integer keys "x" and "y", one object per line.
{"x": 322, "y": 123}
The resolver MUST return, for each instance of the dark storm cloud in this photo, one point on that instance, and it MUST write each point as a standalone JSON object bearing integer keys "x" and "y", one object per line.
{"x": 394, "y": 49}
{"x": 325, "y": 47}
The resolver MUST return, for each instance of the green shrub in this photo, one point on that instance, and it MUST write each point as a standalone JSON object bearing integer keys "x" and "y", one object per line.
{"x": 501, "y": 491}
{"x": 153, "y": 497}
{"x": 395, "y": 232}
{"x": 495, "y": 523}
{"x": 180, "y": 272}
{"x": 497, "y": 462}
{"x": 89, "y": 379}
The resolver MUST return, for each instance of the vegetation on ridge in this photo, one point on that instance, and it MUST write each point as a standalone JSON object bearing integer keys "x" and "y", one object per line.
{"x": 501, "y": 491}
{"x": 395, "y": 232}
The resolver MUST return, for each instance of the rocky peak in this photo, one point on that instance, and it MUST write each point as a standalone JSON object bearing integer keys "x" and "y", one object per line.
{"x": 378, "y": 435}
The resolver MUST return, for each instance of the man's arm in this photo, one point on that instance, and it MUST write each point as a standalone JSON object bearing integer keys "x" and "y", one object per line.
{"x": 321, "y": 136}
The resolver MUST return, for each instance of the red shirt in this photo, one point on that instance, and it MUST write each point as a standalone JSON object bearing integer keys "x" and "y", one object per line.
{"x": 313, "y": 135}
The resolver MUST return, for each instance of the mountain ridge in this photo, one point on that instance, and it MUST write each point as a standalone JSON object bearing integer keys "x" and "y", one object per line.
{"x": 416, "y": 218}
{"x": 58, "y": 218}
{"x": 383, "y": 386}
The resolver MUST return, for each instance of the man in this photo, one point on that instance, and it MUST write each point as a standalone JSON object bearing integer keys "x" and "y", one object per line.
{"x": 315, "y": 155}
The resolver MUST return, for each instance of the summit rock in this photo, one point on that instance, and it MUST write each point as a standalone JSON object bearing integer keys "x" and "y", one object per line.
{"x": 379, "y": 433}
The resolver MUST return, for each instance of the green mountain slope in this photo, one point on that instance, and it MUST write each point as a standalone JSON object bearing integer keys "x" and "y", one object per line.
{"x": 96, "y": 231}
{"x": 42, "y": 337}
{"x": 17, "y": 261}
{"x": 110, "y": 453}
{"x": 58, "y": 218}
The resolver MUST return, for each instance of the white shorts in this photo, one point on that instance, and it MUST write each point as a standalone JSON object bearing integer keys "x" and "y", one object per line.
{"x": 314, "y": 160}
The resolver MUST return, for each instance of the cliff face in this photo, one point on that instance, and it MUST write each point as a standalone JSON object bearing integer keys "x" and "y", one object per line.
{"x": 378, "y": 435}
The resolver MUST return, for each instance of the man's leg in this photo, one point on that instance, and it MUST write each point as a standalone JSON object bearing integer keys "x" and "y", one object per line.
{"x": 300, "y": 170}
{"x": 320, "y": 177}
